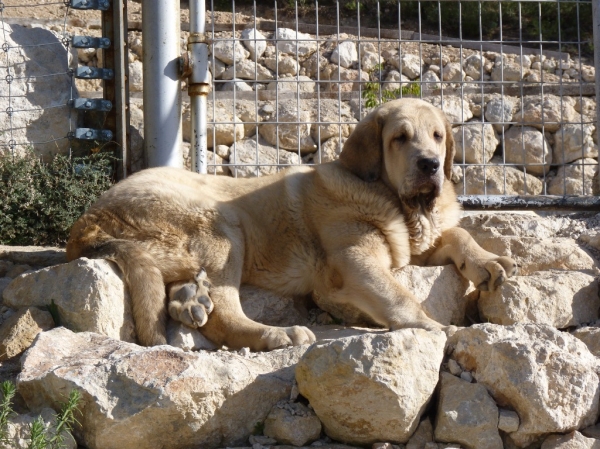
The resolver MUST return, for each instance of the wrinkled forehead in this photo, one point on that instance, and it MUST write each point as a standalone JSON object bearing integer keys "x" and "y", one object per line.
{"x": 414, "y": 120}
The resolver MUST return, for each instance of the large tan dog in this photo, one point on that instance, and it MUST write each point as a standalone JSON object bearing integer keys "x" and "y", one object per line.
{"x": 336, "y": 229}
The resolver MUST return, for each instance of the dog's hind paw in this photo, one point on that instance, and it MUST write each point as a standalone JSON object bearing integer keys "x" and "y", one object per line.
{"x": 189, "y": 302}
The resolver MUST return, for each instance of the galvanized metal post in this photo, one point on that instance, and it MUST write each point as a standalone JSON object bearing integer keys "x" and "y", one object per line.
{"x": 596, "y": 14}
{"x": 162, "y": 88}
{"x": 198, "y": 84}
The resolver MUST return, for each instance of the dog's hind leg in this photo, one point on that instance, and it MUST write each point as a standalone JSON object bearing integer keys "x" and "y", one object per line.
{"x": 141, "y": 275}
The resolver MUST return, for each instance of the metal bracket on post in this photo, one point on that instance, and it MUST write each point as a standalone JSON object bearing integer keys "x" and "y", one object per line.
{"x": 199, "y": 84}
{"x": 102, "y": 5}
{"x": 90, "y": 42}
{"x": 94, "y": 73}
{"x": 92, "y": 104}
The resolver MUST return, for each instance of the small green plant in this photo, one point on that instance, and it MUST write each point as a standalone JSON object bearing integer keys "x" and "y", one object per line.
{"x": 65, "y": 420}
{"x": 374, "y": 95}
{"x": 259, "y": 428}
{"x": 39, "y": 437}
{"x": 52, "y": 308}
{"x": 41, "y": 201}
{"x": 8, "y": 393}
{"x": 37, "y": 434}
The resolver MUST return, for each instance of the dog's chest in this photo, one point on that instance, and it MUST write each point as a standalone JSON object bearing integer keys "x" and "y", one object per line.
{"x": 423, "y": 230}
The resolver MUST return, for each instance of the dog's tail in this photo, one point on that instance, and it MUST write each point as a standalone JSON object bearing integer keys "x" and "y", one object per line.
{"x": 141, "y": 275}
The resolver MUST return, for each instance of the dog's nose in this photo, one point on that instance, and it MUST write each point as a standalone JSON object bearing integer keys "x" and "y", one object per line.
{"x": 428, "y": 166}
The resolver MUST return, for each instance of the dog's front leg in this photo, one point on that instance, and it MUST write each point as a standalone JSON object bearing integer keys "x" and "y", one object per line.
{"x": 486, "y": 270}
{"x": 365, "y": 282}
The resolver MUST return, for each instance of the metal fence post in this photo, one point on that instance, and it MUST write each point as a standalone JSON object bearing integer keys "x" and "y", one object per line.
{"x": 162, "y": 87}
{"x": 199, "y": 84}
{"x": 596, "y": 14}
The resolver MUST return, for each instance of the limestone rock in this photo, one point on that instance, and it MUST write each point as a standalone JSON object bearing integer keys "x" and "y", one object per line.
{"x": 35, "y": 52}
{"x": 257, "y": 157}
{"x": 302, "y": 84}
{"x": 453, "y": 72}
{"x": 555, "y": 298}
{"x": 183, "y": 337}
{"x": 290, "y": 136}
{"x": 235, "y": 84}
{"x": 227, "y": 128}
{"x": 294, "y": 43}
{"x": 466, "y": 414}
{"x": 136, "y": 76}
{"x": 508, "y": 420}
{"x": 230, "y": 51}
{"x": 20, "y": 329}
{"x": 573, "y": 179}
{"x": 247, "y": 70}
{"x": 345, "y": 54}
{"x": 573, "y": 440}
{"x": 330, "y": 151}
{"x": 372, "y": 387}
{"x": 329, "y": 113}
{"x": 422, "y": 436}
{"x": 430, "y": 81}
{"x": 508, "y": 68}
{"x": 497, "y": 180}
{"x": 549, "y": 111}
{"x": 281, "y": 64}
{"x": 540, "y": 254}
{"x": 32, "y": 255}
{"x": 255, "y": 42}
{"x": 456, "y": 108}
{"x": 370, "y": 60}
{"x": 474, "y": 66}
{"x": 526, "y": 146}
{"x": 292, "y": 423}
{"x": 572, "y": 142}
{"x": 408, "y": 64}
{"x": 500, "y": 110}
{"x": 89, "y": 295}
{"x": 591, "y": 337}
{"x": 548, "y": 377}
{"x": 136, "y": 397}
{"x": 475, "y": 143}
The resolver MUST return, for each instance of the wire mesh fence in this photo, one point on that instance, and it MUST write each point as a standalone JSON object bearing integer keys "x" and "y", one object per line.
{"x": 515, "y": 79}
{"x": 37, "y": 85}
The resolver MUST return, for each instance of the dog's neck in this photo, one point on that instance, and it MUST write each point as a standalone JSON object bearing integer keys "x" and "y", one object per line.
{"x": 422, "y": 220}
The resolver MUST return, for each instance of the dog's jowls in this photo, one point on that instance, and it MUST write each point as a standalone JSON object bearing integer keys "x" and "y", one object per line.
{"x": 336, "y": 229}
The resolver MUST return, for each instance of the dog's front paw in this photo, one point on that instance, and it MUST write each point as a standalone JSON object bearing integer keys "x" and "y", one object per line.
{"x": 281, "y": 337}
{"x": 492, "y": 273}
{"x": 189, "y": 302}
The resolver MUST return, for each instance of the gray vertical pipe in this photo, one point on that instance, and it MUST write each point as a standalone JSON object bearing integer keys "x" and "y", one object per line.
{"x": 596, "y": 14}
{"x": 162, "y": 88}
{"x": 198, "y": 84}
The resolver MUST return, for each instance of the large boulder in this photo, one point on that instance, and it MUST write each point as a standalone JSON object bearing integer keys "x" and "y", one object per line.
{"x": 41, "y": 111}
{"x": 143, "y": 398}
{"x": 290, "y": 129}
{"x": 540, "y": 254}
{"x": 556, "y": 298}
{"x": 574, "y": 141}
{"x": 546, "y": 112}
{"x": 548, "y": 377}
{"x": 254, "y": 157}
{"x": 372, "y": 387}
{"x": 20, "y": 329}
{"x": 89, "y": 295}
{"x": 498, "y": 180}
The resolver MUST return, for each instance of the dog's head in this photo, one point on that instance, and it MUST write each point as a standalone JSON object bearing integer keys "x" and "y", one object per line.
{"x": 408, "y": 143}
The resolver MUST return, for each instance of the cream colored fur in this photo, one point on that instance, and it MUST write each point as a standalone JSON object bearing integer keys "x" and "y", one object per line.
{"x": 336, "y": 229}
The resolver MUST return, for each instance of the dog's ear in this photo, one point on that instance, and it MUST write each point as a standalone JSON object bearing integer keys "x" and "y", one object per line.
{"x": 450, "y": 150}
{"x": 363, "y": 153}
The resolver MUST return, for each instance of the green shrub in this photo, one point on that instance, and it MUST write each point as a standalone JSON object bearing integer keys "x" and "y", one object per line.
{"x": 41, "y": 201}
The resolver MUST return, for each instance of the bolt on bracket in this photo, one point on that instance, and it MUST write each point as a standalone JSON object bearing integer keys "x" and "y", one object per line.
{"x": 93, "y": 134}
{"x": 90, "y": 42}
{"x": 94, "y": 73}
{"x": 92, "y": 104}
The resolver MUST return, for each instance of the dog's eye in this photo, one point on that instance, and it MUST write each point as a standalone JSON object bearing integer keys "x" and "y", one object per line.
{"x": 401, "y": 138}
{"x": 437, "y": 136}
